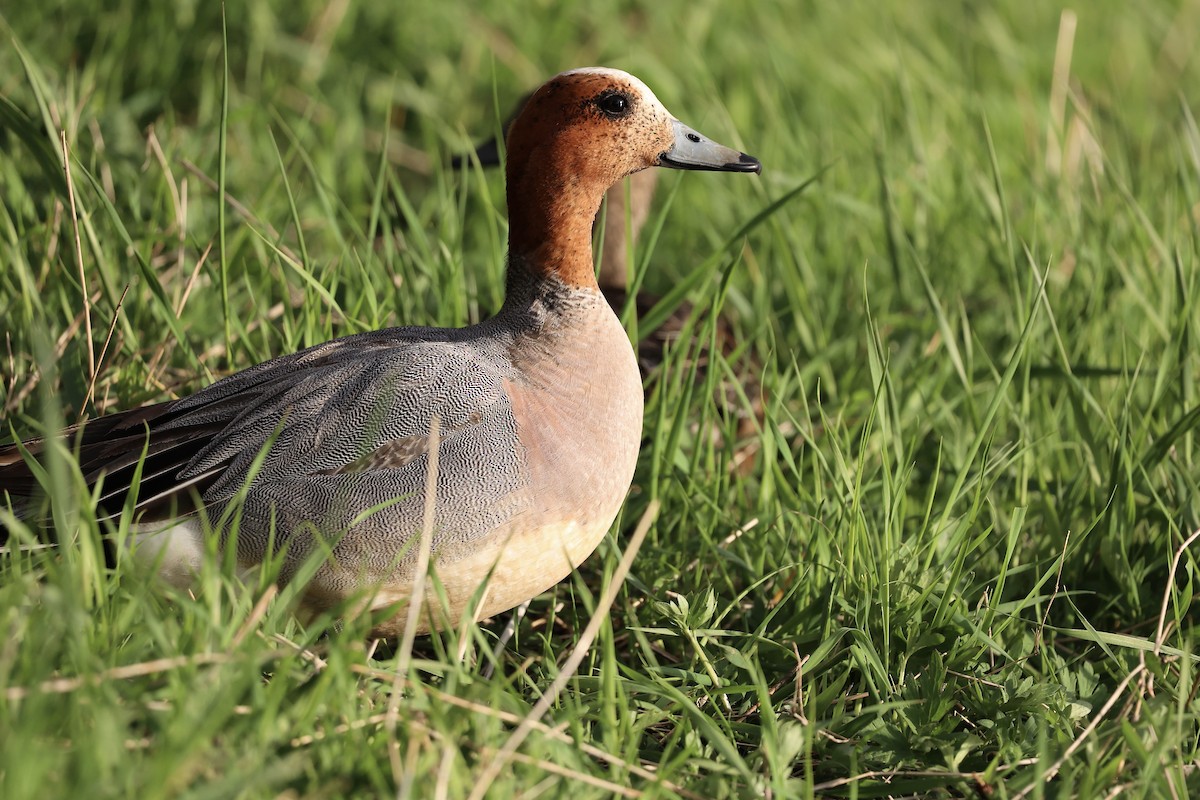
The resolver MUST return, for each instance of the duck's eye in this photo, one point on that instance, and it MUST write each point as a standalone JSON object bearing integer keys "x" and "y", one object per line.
{"x": 614, "y": 104}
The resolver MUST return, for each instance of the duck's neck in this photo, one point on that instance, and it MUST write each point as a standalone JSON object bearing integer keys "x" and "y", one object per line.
{"x": 550, "y": 214}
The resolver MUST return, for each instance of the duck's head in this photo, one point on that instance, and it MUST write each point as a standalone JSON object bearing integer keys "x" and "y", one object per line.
{"x": 577, "y": 136}
{"x": 599, "y": 125}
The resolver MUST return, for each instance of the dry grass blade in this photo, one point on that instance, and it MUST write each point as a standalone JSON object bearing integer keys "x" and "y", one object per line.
{"x": 1057, "y": 589}
{"x": 891, "y": 774}
{"x": 416, "y": 599}
{"x": 420, "y": 574}
{"x": 1160, "y": 633}
{"x": 1059, "y": 87}
{"x": 87, "y": 305}
{"x": 64, "y": 685}
{"x": 256, "y": 614}
{"x": 112, "y": 326}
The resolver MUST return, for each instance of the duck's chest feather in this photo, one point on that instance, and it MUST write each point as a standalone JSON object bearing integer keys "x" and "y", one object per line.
{"x": 577, "y": 402}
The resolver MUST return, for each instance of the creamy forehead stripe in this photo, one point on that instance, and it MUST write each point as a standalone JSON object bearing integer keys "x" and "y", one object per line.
{"x": 617, "y": 74}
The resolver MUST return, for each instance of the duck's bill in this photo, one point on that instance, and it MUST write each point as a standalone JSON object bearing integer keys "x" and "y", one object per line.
{"x": 693, "y": 151}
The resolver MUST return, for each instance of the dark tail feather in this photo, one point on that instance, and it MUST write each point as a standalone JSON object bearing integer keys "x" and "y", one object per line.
{"x": 110, "y": 449}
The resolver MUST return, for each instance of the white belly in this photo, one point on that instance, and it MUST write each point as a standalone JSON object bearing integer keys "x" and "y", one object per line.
{"x": 174, "y": 550}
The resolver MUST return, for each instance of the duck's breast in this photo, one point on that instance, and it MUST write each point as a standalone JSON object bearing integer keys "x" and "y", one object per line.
{"x": 578, "y": 403}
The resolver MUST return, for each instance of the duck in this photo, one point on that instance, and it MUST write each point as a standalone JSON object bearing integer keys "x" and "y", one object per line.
{"x": 533, "y": 417}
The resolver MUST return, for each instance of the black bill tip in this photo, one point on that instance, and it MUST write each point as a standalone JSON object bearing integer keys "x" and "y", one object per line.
{"x": 747, "y": 163}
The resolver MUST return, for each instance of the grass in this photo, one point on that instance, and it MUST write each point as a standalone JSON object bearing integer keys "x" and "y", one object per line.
{"x": 956, "y": 564}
